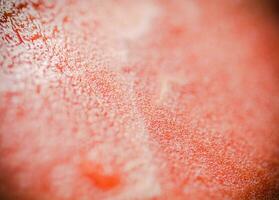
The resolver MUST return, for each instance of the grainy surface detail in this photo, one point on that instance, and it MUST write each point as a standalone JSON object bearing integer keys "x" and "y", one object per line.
{"x": 127, "y": 100}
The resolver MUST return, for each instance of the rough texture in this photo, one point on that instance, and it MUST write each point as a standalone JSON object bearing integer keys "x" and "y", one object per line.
{"x": 138, "y": 100}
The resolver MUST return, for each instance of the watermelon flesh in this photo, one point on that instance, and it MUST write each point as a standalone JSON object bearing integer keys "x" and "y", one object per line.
{"x": 138, "y": 100}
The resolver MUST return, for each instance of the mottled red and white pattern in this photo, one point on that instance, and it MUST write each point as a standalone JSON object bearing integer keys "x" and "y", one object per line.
{"x": 138, "y": 100}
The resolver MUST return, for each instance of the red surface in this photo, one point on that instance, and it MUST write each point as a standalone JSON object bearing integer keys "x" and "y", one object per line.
{"x": 138, "y": 100}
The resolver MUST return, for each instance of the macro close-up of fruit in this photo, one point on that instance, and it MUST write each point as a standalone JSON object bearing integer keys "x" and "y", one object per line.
{"x": 139, "y": 100}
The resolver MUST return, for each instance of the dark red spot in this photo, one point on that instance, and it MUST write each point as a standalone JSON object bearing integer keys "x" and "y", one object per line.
{"x": 59, "y": 68}
{"x": 37, "y": 5}
{"x": 66, "y": 19}
{"x": 20, "y": 6}
{"x": 36, "y": 36}
{"x": 55, "y": 30}
{"x": 95, "y": 173}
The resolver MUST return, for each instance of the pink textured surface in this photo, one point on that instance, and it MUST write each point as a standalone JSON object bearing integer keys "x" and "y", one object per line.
{"x": 138, "y": 100}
